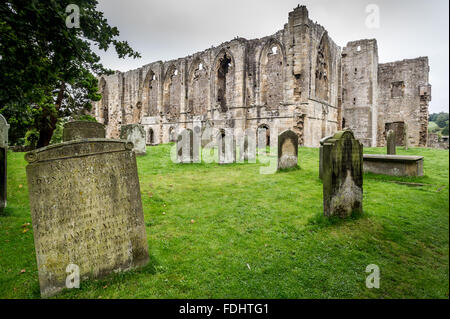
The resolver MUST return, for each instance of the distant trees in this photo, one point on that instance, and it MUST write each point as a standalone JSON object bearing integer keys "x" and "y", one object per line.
{"x": 439, "y": 123}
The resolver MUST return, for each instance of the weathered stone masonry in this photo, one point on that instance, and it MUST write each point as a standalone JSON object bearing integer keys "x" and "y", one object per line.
{"x": 295, "y": 79}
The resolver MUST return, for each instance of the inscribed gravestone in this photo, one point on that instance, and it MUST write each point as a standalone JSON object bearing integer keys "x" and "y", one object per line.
{"x": 342, "y": 175}
{"x": 77, "y": 130}
{"x": 86, "y": 210}
{"x": 287, "y": 150}
{"x": 185, "y": 146}
{"x": 4, "y": 127}
{"x": 134, "y": 133}
{"x": 390, "y": 142}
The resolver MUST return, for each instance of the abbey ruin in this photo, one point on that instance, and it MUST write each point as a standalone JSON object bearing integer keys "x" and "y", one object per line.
{"x": 297, "y": 79}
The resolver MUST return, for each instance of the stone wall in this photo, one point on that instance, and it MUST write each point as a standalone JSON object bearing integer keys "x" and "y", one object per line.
{"x": 295, "y": 79}
{"x": 359, "y": 94}
{"x": 403, "y": 95}
{"x": 289, "y": 80}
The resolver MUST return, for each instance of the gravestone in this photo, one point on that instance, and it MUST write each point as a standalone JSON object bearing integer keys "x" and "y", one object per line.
{"x": 287, "y": 150}
{"x": 86, "y": 210}
{"x": 4, "y": 127}
{"x": 390, "y": 142}
{"x": 134, "y": 133}
{"x": 185, "y": 146}
{"x": 226, "y": 144}
{"x": 77, "y": 130}
{"x": 322, "y": 141}
{"x": 342, "y": 175}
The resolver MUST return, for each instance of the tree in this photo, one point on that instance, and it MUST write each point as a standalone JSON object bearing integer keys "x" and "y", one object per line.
{"x": 49, "y": 67}
{"x": 441, "y": 119}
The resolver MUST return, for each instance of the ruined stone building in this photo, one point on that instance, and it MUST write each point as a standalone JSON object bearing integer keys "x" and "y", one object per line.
{"x": 297, "y": 79}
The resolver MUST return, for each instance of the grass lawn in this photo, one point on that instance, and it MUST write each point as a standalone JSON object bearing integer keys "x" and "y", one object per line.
{"x": 259, "y": 236}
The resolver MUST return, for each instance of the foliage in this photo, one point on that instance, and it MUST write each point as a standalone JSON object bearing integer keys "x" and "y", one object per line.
{"x": 438, "y": 123}
{"x": 49, "y": 67}
{"x": 57, "y": 136}
{"x": 259, "y": 236}
{"x": 87, "y": 117}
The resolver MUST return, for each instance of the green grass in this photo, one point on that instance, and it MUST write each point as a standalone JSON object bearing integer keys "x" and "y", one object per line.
{"x": 259, "y": 236}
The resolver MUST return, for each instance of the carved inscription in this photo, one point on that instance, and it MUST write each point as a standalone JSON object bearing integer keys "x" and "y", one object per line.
{"x": 86, "y": 211}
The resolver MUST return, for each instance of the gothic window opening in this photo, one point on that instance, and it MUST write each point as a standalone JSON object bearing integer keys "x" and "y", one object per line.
{"x": 150, "y": 96}
{"x": 271, "y": 65}
{"x": 224, "y": 82}
{"x": 172, "y": 92}
{"x": 104, "y": 105}
{"x": 323, "y": 70}
{"x": 198, "y": 89}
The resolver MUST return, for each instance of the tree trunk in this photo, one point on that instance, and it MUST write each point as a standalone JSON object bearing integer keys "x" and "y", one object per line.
{"x": 47, "y": 128}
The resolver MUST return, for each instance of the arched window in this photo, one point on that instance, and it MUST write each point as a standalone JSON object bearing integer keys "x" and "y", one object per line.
{"x": 104, "y": 105}
{"x": 271, "y": 64}
{"x": 323, "y": 69}
{"x": 198, "y": 88}
{"x": 150, "y": 97}
{"x": 224, "y": 81}
{"x": 150, "y": 137}
{"x": 172, "y": 91}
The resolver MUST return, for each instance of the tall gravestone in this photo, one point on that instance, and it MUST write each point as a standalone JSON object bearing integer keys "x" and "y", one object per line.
{"x": 134, "y": 133}
{"x": 226, "y": 144}
{"x": 287, "y": 150}
{"x": 86, "y": 210}
{"x": 342, "y": 175}
{"x": 4, "y": 127}
{"x": 322, "y": 141}
{"x": 185, "y": 146}
{"x": 77, "y": 130}
{"x": 390, "y": 142}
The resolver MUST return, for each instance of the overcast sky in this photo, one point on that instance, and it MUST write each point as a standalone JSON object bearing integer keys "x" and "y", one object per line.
{"x": 169, "y": 29}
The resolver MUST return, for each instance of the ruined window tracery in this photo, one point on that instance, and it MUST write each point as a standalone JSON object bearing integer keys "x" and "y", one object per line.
{"x": 224, "y": 81}
{"x": 272, "y": 76}
{"x": 172, "y": 92}
{"x": 104, "y": 105}
{"x": 198, "y": 87}
{"x": 323, "y": 70}
{"x": 150, "y": 98}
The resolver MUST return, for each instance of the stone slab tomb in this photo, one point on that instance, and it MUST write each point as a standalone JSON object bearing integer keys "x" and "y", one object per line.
{"x": 342, "y": 175}
{"x": 394, "y": 165}
{"x": 185, "y": 146}
{"x": 391, "y": 142}
{"x": 86, "y": 210}
{"x": 4, "y": 127}
{"x": 287, "y": 150}
{"x": 77, "y": 130}
{"x": 134, "y": 133}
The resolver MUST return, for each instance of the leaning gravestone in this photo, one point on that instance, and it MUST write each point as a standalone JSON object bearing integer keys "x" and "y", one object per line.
{"x": 390, "y": 142}
{"x": 342, "y": 175}
{"x": 185, "y": 146}
{"x": 77, "y": 130}
{"x": 4, "y": 127}
{"x": 287, "y": 150}
{"x": 134, "y": 133}
{"x": 86, "y": 210}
